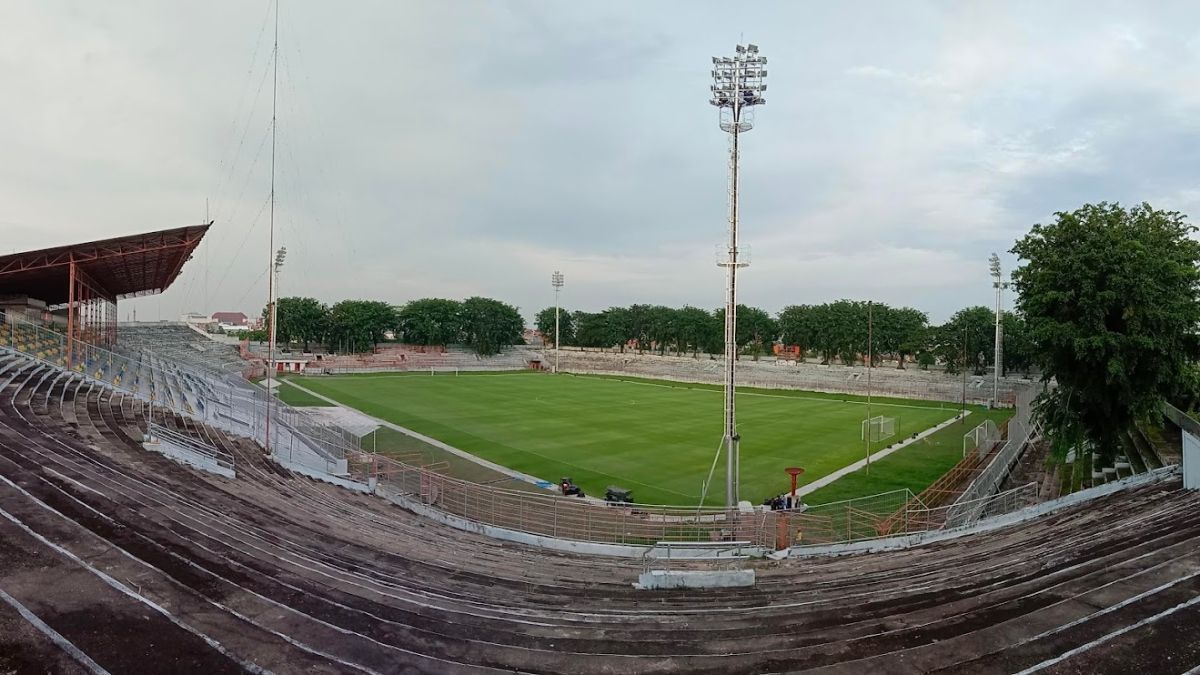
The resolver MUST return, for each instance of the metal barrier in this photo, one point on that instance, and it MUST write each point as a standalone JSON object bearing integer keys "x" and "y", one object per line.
{"x": 571, "y": 517}
{"x": 207, "y": 451}
{"x": 224, "y": 401}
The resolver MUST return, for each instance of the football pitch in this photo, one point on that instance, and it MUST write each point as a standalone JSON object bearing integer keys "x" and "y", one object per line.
{"x": 656, "y": 438}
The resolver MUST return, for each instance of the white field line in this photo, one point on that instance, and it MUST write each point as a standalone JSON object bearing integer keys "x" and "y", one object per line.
{"x": 512, "y": 473}
{"x": 811, "y": 487}
{"x": 874, "y": 457}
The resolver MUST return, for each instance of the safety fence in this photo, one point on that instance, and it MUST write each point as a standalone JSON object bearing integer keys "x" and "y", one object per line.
{"x": 887, "y": 514}
{"x": 570, "y": 517}
{"x": 894, "y": 513}
{"x": 1021, "y": 432}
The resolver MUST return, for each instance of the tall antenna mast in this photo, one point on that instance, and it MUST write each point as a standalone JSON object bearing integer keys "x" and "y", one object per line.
{"x": 271, "y": 265}
{"x": 737, "y": 87}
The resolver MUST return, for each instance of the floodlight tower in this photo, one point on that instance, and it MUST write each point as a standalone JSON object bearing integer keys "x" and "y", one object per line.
{"x": 999, "y": 285}
{"x": 272, "y": 314}
{"x": 737, "y": 87}
{"x": 556, "y": 280}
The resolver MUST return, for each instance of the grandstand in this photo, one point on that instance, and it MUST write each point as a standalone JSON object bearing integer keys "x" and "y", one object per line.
{"x": 187, "y": 571}
{"x": 772, "y": 373}
{"x": 120, "y": 559}
{"x": 404, "y": 358}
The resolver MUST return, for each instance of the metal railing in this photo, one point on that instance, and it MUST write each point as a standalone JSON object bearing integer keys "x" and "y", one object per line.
{"x": 570, "y": 517}
{"x": 224, "y": 401}
{"x": 192, "y": 444}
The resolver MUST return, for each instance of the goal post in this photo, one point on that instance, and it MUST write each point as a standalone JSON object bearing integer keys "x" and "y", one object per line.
{"x": 878, "y": 428}
{"x": 983, "y": 437}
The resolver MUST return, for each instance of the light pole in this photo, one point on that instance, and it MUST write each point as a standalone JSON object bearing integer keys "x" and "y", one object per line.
{"x": 274, "y": 299}
{"x": 737, "y": 87}
{"x": 998, "y": 360}
{"x": 556, "y": 280}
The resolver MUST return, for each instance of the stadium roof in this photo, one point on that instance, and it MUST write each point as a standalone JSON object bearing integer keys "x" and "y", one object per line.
{"x": 126, "y": 267}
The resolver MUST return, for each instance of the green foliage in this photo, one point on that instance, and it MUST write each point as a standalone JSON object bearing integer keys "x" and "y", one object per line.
{"x": 967, "y": 340}
{"x": 696, "y": 329}
{"x": 798, "y": 326}
{"x": 1110, "y": 299}
{"x": 300, "y": 320}
{"x": 430, "y": 321}
{"x": 591, "y": 329}
{"x": 489, "y": 325}
{"x": 359, "y": 325}
{"x": 545, "y": 324}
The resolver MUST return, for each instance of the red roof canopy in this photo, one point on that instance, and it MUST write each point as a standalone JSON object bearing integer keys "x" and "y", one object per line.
{"x": 139, "y": 264}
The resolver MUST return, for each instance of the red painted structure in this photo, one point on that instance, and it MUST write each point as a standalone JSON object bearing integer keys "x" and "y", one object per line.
{"x": 88, "y": 279}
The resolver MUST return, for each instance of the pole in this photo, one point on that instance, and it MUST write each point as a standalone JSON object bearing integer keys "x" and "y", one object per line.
{"x": 997, "y": 358}
{"x": 870, "y": 366}
{"x": 732, "y": 458}
{"x": 271, "y": 239}
{"x": 557, "y": 339}
{"x": 963, "y": 409}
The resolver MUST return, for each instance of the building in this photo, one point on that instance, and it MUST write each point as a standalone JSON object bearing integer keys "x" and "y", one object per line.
{"x": 230, "y": 318}
{"x": 201, "y": 321}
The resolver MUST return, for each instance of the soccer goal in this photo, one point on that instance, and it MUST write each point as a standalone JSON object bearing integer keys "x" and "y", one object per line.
{"x": 878, "y": 428}
{"x": 983, "y": 438}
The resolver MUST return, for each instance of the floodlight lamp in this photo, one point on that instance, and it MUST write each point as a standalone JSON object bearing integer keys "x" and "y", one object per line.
{"x": 741, "y": 49}
{"x": 994, "y": 265}
{"x": 752, "y": 48}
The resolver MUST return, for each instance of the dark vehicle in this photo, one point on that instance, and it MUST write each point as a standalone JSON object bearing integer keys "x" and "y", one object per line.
{"x": 618, "y": 495}
{"x": 569, "y": 489}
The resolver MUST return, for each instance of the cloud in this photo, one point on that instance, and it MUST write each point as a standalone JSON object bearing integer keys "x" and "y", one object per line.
{"x": 469, "y": 148}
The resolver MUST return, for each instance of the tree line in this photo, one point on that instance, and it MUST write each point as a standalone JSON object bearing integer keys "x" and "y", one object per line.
{"x": 356, "y": 326}
{"x": 836, "y": 331}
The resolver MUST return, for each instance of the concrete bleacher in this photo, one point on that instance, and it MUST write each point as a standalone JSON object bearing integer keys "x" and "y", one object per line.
{"x": 180, "y": 342}
{"x": 140, "y": 564}
{"x": 773, "y": 373}
{"x": 399, "y": 358}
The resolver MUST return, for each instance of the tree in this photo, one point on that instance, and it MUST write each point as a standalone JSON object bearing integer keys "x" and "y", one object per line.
{"x": 1109, "y": 296}
{"x": 300, "y": 320}
{"x": 1019, "y": 353}
{"x": 756, "y": 329}
{"x": 430, "y": 321}
{"x": 591, "y": 329}
{"x": 618, "y": 322}
{"x": 696, "y": 329}
{"x": 489, "y": 325}
{"x": 975, "y": 325}
{"x": 905, "y": 332}
{"x": 663, "y": 330}
{"x": 798, "y": 326}
{"x": 359, "y": 325}
{"x": 545, "y": 325}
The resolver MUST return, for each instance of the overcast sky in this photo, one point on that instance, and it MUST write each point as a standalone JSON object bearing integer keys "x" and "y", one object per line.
{"x": 453, "y": 148}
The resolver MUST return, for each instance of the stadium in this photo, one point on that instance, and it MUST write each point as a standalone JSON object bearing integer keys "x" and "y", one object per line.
{"x": 435, "y": 487}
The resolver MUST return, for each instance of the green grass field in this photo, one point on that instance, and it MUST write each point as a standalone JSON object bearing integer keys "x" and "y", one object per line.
{"x": 656, "y": 438}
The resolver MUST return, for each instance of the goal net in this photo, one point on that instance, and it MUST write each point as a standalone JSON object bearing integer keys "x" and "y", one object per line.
{"x": 983, "y": 438}
{"x": 878, "y": 428}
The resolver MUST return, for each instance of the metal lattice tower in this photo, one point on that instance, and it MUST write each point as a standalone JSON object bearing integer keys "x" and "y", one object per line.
{"x": 737, "y": 87}
{"x": 556, "y": 280}
{"x": 998, "y": 360}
